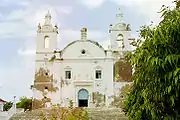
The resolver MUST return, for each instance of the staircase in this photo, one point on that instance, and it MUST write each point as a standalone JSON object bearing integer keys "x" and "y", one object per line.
{"x": 106, "y": 114}
{"x": 29, "y": 115}
{"x": 6, "y": 115}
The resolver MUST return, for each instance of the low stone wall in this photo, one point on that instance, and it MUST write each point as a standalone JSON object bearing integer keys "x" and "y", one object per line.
{"x": 6, "y": 115}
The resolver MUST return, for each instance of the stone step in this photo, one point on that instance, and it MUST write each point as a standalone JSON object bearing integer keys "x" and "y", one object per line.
{"x": 94, "y": 114}
{"x": 106, "y": 114}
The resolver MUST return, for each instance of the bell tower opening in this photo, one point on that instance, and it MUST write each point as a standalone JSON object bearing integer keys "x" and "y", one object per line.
{"x": 46, "y": 42}
{"x": 120, "y": 41}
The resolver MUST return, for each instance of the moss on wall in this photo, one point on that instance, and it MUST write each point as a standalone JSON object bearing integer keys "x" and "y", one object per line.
{"x": 98, "y": 99}
{"x": 40, "y": 103}
{"x": 122, "y": 71}
{"x": 52, "y": 58}
{"x": 36, "y": 104}
{"x": 43, "y": 80}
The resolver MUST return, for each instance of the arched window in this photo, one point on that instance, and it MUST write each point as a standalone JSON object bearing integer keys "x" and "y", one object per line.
{"x": 46, "y": 42}
{"x": 120, "y": 37}
{"x": 120, "y": 40}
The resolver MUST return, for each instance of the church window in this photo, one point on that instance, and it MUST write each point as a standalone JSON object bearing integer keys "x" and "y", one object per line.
{"x": 46, "y": 88}
{"x": 119, "y": 37}
{"x": 98, "y": 74}
{"x": 83, "y": 51}
{"x": 68, "y": 74}
{"x": 46, "y": 42}
{"x": 120, "y": 40}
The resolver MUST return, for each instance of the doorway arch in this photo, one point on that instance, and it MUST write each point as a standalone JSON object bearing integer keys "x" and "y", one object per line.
{"x": 83, "y": 96}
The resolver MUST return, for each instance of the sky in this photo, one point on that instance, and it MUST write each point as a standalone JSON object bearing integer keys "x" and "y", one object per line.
{"x": 18, "y": 25}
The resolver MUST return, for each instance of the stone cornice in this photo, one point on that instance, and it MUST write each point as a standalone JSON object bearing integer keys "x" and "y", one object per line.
{"x": 79, "y": 59}
{"x": 83, "y": 82}
{"x": 41, "y": 83}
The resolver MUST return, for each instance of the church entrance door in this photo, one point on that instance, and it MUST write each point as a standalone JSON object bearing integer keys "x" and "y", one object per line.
{"x": 83, "y": 98}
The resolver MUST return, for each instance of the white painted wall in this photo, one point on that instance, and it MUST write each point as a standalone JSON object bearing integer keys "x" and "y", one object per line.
{"x": 74, "y": 51}
{"x": 83, "y": 72}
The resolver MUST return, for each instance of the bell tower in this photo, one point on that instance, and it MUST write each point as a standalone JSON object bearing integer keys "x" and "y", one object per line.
{"x": 119, "y": 34}
{"x": 46, "y": 41}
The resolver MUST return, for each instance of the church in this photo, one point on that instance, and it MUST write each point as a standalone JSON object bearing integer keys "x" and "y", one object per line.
{"x": 82, "y": 73}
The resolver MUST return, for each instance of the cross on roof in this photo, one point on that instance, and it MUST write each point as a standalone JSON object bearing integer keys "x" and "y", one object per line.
{"x": 119, "y": 15}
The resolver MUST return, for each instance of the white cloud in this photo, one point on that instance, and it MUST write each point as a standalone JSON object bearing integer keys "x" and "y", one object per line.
{"x": 23, "y": 22}
{"x": 146, "y": 8}
{"x": 1, "y": 15}
{"x": 24, "y": 3}
{"x": 92, "y": 3}
{"x": 64, "y": 9}
{"x": 16, "y": 15}
{"x": 28, "y": 49}
{"x": 27, "y": 52}
{"x": 16, "y": 79}
{"x": 6, "y": 3}
{"x": 20, "y": 24}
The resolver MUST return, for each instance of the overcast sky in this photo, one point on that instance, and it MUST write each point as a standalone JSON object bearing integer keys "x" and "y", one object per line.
{"x": 19, "y": 20}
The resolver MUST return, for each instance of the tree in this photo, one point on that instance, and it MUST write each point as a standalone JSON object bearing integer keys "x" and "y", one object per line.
{"x": 118, "y": 101}
{"x": 177, "y": 3}
{"x": 7, "y": 106}
{"x": 99, "y": 99}
{"x": 123, "y": 70}
{"x": 25, "y": 103}
{"x": 155, "y": 92}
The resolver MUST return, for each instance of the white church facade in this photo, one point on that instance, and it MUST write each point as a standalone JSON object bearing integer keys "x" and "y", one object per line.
{"x": 79, "y": 70}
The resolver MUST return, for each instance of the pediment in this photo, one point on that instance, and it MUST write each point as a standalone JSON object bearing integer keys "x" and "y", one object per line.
{"x": 120, "y": 26}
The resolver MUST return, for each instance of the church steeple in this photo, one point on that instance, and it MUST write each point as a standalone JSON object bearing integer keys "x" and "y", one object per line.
{"x": 47, "y": 19}
{"x": 119, "y": 16}
{"x": 47, "y": 36}
{"x": 119, "y": 33}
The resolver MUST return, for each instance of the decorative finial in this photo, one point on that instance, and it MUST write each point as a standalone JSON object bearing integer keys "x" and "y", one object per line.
{"x": 48, "y": 14}
{"x": 128, "y": 28}
{"x": 48, "y": 18}
{"x": 83, "y": 33}
{"x": 56, "y": 28}
{"x": 39, "y": 27}
{"x": 119, "y": 15}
